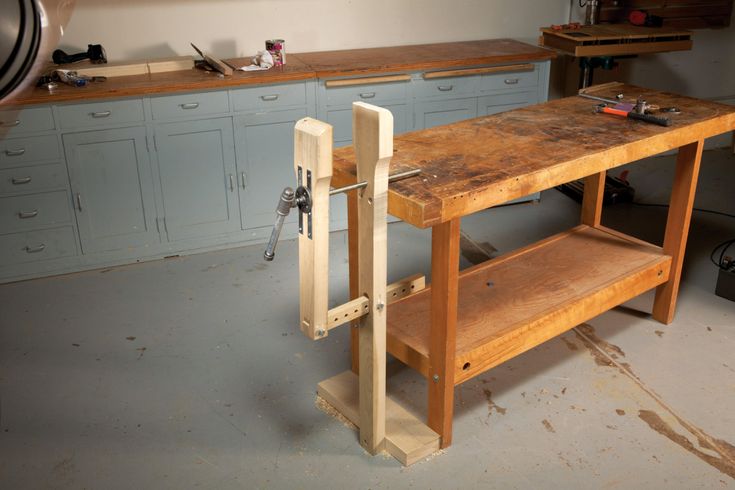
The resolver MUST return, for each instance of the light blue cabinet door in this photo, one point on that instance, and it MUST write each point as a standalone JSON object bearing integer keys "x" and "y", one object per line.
{"x": 264, "y": 144}
{"x": 112, "y": 189}
{"x": 437, "y": 113}
{"x": 196, "y": 164}
{"x": 341, "y": 120}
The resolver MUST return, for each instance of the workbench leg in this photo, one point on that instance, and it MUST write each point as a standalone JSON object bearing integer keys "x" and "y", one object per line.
{"x": 354, "y": 271}
{"x": 677, "y": 227}
{"x": 443, "y": 335}
{"x": 594, "y": 191}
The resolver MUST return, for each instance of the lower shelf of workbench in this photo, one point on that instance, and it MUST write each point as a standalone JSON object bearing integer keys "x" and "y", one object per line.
{"x": 513, "y": 303}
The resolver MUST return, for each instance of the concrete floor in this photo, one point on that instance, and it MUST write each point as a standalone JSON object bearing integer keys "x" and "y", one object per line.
{"x": 191, "y": 373}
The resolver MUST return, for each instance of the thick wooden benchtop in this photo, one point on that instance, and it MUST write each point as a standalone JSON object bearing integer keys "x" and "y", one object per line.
{"x": 478, "y": 163}
{"x": 303, "y": 66}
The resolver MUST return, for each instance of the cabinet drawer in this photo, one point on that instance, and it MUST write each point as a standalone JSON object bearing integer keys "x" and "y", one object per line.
{"x": 509, "y": 80}
{"x": 368, "y": 92}
{"x": 446, "y": 87}
{"x": 37, "y": 245}
{"x": 108, "y": 112}
{"x": 190, "y": 105}
{"x": 33, "y": 211}
{"x": 269, "y": 96}
{"x": 16, "y": 152}
{"x": 26, "y": 180}
{"x": 492, "y": 104}
{"x": 26, "y": 120}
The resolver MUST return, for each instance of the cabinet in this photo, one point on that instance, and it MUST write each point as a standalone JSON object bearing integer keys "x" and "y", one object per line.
{"x": 196, "y": 167}
{"x": 264, "y": 145}
{"x": 112, "y": 189}
{"x": 439, "y": 112}
{"x": 122, "y": 179}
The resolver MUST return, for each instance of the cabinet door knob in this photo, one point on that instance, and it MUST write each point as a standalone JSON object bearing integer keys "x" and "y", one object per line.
{"x": 445, "y": 88}
{"x": 269, "y": 98}
{"x": 36, "y": 249}
{"x": 367, "y": 95}
{"x": 79, "y": 202}
{"x": 21, "y": 181}
{"x": 28, "y": 214}
{"x": 10, "y": 124}
{"x": 511, "y": 81}
{"x": 190, "y": 105}
{"x": 15, "y": 153}
{"x": 101, "y": 114}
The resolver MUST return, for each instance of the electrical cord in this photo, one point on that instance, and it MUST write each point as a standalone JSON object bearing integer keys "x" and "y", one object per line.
{"x": 721, "y": 263}
{"x": 711, "y": 211}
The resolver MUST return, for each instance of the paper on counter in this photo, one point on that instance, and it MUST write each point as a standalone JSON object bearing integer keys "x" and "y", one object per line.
{"x": 262, "y": 61}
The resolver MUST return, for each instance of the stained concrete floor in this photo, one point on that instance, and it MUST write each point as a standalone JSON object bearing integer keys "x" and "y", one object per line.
{"x": 191, "y": 373}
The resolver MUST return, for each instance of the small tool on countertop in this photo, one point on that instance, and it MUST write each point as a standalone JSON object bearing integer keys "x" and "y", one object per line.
{"x": 631, "y": 111}
{"x": 216, "y": 63}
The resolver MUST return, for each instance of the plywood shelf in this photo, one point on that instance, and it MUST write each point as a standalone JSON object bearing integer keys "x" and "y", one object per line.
{"x": 511, "y": 304}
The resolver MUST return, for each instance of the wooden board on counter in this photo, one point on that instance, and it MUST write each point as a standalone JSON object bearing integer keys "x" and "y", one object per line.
{"x": 469, "y": 166}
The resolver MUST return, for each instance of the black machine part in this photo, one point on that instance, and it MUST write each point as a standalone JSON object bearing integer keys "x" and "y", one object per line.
{"x": 725, "y": 287}
{"x": 95, "y": 53}
{"x": 20, "y": 39}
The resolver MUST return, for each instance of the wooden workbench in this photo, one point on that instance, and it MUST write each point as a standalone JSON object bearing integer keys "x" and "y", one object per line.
{"x": 470, "y": 321}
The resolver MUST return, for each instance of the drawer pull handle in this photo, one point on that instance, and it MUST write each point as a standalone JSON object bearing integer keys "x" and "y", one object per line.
{"x": 21, "y": 181}
{"x": 511, "y": 81}
{"x": 243, "y": 180}
{"x": 15, "y": 153}
{"x": 190, "y": 105}
{"x": 101, "y": 114}
{"x": 10, "y": 124}
{"x": 268, "y": 98}
{"x": 28, "y": 214}
{"x": 36, "y": 249}
{"x": 232, "y": 183}
{"x": 367, "y": 95}
{"x": 79, "y": 202}
{"x": 445, "y": 88}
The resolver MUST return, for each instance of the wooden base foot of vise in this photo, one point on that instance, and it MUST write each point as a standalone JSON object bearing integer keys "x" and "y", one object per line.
{"x": 407, "y": 438}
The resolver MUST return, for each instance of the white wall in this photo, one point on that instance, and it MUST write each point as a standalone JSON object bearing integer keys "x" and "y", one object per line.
{"x": 133, "y": 29}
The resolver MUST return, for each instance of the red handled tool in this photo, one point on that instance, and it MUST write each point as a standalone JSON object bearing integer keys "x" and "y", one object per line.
{"x": 661, "y": 121}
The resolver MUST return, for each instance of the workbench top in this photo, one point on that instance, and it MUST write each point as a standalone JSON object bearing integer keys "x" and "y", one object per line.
{"x": 302, "y": 66}
{"x": 478, "y": 163}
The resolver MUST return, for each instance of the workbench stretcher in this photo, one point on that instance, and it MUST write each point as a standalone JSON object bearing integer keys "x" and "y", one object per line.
{"x": 469, "y": 321}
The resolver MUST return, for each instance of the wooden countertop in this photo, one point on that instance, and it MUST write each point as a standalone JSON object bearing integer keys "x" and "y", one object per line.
{"x": 478, "y": 163}
{"x": 421, "y": 57}
{"x": 302, "y": 66}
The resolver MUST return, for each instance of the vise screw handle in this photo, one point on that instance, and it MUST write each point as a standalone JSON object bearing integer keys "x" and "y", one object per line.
{"x": 285, "y": 203}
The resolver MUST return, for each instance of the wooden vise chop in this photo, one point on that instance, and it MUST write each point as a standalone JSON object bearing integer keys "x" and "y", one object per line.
{"x": 383, "y": 423}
